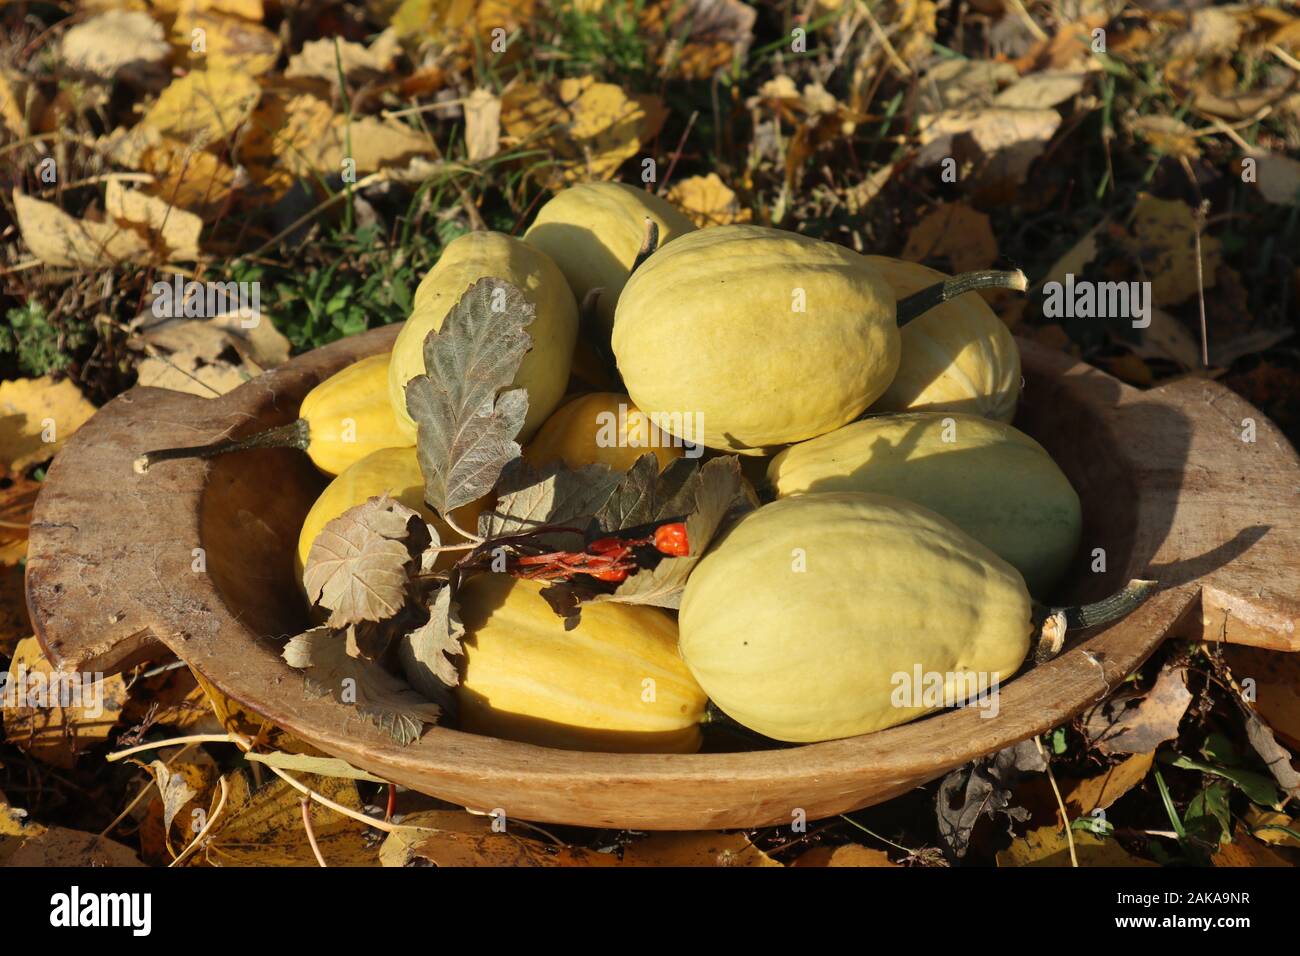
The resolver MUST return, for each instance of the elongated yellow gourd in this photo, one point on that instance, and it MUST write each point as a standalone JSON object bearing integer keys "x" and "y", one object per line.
{"x": 958, "y": 357}
{"x": 604, "y": 428}
{"x": 813, "y": 616}
{"x": 391, "y": 471}
{"x": 755, "y": 337}
{"x": 615, "y": 683}
{"x": 349, "y": 416}
{"x": 593, "y": 231}
{"x": 994, "y": 482}
{"x": 544, "y": 371}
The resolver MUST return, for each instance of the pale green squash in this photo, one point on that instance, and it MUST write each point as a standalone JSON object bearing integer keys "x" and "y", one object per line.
{"x": 994, "y": 482}
{"x": 800, "y": 621}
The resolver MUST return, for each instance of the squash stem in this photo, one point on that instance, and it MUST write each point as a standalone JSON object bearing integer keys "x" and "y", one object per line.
{"x": 296, "y": 434}
{"x": 648, "y": 245}
{"x": 1055, "y": 621}
{"x": 919, "y": 303}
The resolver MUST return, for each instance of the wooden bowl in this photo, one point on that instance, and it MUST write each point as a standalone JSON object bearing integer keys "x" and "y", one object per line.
{"x": 1170, "y": 490}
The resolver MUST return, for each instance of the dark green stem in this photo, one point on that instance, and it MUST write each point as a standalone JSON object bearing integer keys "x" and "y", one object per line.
{"x": 296, "y": 434}
{"x": 1054, "y": 622}
{"x": 919, "y": 303}
{"x": 1111, "y": 608}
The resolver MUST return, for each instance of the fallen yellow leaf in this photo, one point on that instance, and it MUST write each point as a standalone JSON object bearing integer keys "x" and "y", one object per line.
{"x": 1164, "y": 234}
{"x": 204, "y": 106}
{"x": 176, "y": 231}
{"x": 1049, "y": 846}
{"x": 55, "y": 717}
{"x": 58, "y": 239}
{"x": 708, "y": 201}
{"x": 37, "y": 415}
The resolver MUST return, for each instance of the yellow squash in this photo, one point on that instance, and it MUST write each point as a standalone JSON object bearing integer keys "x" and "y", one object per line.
{"x": 958, "y": 357}
{"x": 832, "y": 615}
{"x": 593, "y": 231}
{"x": 602, "y": 427}
{"x": 476, "y": 255}
{"x": 994, "y": 482}
{"x": 615, "y": 683}
{"x": 349, "y": 416}
{"x": 391, "y": 471}
{"x": 755, "y": 337}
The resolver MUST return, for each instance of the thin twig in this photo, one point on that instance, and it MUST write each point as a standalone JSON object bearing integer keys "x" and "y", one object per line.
{"x": 1060, "y": 803}
{"x": 198, "y": 839}
{"x": 156, "y": 744}
{"x": 681, "y": 144}
{"x": 1028, "y": 21}
{"x": 1284, "y": 56}
{"x": 1199, "y": 217}
{"x": 883, "y": 39}
{"x": 311, "y": 833}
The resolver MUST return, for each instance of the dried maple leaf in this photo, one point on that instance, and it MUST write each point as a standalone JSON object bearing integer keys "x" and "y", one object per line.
{"x": 708, "y": 201}
{"x": 357, "y": 565}
{"x": 379, "y": 696}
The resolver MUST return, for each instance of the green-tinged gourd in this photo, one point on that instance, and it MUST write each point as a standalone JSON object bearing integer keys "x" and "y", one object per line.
{"x": 615, "y": 683}
{"x": 391, "y": 471}
{"x": 812, "y": 617}
{"x": 340, "y": 421}
{"x": 601, "y": 428}
{"x": 544, "y": 371}
{"x": 748, "y": 337}
{"x": 958, "y": 357}
{"x": 994, "y": 482}
{"x": 593, "y": 231}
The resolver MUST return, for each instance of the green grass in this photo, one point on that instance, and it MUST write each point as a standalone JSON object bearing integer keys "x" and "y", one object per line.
{"x": 40, "y": 345}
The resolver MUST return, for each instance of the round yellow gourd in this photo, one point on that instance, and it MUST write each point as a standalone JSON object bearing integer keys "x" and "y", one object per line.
{"x": 391, "y": 471}
{"x": 604, "y": 428}
{"x": 958, "y": 357}
{"x": 349, "y": 415}
{"x": 473, "y": 256}
{"x": 994, "y": 482}
{"x": 615, "y": 683}
{"x": 593, "y": 231}
{"x": 810, "y": 619}
{"x": 755, "y": 337}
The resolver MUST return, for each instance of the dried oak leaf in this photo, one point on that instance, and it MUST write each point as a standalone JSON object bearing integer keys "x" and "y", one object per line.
{"x": 466, "y": 422}
{"x": 983, "y": 787}
{"x": 379, "y": 696}
{"x": 357, "y": 565}
{"x": 1137, "y": 723}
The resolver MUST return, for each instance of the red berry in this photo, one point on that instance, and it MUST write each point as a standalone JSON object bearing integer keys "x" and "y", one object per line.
{"x": 613, "y": 574}
{"x": 671, "y": 539}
